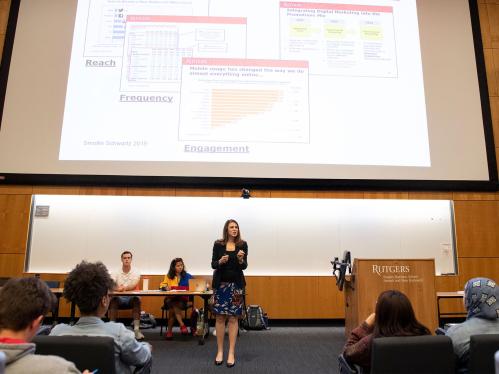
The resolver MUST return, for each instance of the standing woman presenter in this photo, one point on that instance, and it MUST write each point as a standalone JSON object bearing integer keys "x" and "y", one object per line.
{"x": 229, "y": 259}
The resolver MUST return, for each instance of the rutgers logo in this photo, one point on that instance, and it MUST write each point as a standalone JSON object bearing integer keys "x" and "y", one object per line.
{"x": 382, "y": 269}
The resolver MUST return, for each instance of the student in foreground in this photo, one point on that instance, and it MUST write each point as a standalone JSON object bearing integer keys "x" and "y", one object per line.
{"x": 393, "y": 316}
{"x": 88, "y": 285}
{"x": 481, "y": 300}
{"x": 23, "y": 304}
{"x": 176, "y": 277}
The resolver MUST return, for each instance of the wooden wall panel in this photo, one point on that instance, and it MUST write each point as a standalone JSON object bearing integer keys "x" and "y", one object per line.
{"x": 16, "y": 190}
{"x": 284, "y": 297}
{"x": 449, "y": 283}
{"x": 11, "y": 264}
{"x": 477, "y": 267}
{"x": 4, "y": 16}
{"x": 56, "y": 190}
{"x": 494, "y": 107}
{"x": 430, "y": 195}
{"x": 485, "y": 25}
{"x": 474, "y": 196}
{"x": 477, "y": 224}
{"x": 199, "y": 192}
{"x": 330, "y": 301}
{"x": 339, "y": 195}
{"x": 136, "y": 191}
{"x": 14, "y": 220}
{"x": 386, "y": 195}
{"x": 493, "y": 18}
{"x": 489, "y": 70}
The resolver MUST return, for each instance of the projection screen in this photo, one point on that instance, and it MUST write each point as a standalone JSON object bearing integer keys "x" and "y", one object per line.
{"x": 329, "y": 93}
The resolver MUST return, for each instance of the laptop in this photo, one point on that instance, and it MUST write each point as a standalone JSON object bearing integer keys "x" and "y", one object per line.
{"x": 197, "y": 285}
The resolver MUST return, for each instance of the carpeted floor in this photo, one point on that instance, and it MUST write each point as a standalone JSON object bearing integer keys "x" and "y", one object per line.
{"x": 293, "y": 349}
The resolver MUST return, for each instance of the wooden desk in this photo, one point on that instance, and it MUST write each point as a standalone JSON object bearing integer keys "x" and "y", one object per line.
{"x": 204, "y": 295}
{"x": 448, "y": 295}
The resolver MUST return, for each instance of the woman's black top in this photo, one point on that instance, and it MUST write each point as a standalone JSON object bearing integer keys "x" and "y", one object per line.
{"x": 232, "y": 271}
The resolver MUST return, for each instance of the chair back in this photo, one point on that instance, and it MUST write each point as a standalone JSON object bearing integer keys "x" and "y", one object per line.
{"x": 496, "y": 356}
{"x": 482, "y": 349}
{"x": 3, "y": 359}
{"x": 87, "y": 352}
{"x": 345, "y": 367}
{"x": 412, "y": 355}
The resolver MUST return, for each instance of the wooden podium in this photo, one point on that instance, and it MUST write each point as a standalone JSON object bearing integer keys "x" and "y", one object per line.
{"x": 415, "y": 278}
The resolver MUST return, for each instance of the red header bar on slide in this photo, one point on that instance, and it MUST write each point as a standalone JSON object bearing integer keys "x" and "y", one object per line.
{"x": 324, "y": 6}
{"x": 244, "y": 62}
{"x": 187, "y": 19}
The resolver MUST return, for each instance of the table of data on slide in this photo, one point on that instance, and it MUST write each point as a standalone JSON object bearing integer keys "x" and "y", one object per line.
{"x": 244, "y": 100}
{"x": 106, "y": 21}
{"x": 155, "y": 45}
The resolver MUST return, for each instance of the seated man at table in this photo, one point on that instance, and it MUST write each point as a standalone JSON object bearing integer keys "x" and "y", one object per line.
{"x": 126, "y": 279}
{"x": 88, "y": 285}
{"x": 23, "y": 303}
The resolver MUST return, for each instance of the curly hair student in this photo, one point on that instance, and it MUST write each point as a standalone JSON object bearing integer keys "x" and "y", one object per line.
{"x": 88, "y": 286}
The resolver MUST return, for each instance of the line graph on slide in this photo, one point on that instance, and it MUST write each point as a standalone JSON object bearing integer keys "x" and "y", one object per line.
{"x": 231, "y": 105}
{"x": 244, "y": 100}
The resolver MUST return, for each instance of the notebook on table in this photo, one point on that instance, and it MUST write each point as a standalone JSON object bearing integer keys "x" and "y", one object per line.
{"x": 179, "y": 288}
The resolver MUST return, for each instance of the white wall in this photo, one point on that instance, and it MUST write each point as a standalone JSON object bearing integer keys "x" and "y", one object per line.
{"x": 285, "y": 236}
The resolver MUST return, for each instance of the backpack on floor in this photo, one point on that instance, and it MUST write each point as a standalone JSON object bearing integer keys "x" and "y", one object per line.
{"x": 201, "y": 327}
{"x": 147, "y": 321}
{"x": 256, "y": 318}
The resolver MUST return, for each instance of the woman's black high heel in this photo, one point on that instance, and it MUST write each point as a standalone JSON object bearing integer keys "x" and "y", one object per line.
{"x": 218, "y": 363}
{"x": 231, "y": 365}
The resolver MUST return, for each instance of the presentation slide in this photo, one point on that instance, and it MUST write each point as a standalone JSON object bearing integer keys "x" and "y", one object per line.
{"x": 186, "y": 81}
{"x": 335, "y": 91}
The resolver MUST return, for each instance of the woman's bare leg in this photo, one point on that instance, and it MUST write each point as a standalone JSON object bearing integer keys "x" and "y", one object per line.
{"x": 233, "y": 329}
{"x": 178, "y": 315}
{"x": 220, "y": 329}
{"x": 171, "y": 320}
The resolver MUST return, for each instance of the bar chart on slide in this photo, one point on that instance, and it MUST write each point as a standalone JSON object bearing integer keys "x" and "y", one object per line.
{"x": 244, "y": 100}
{"x": 231, "y": 105}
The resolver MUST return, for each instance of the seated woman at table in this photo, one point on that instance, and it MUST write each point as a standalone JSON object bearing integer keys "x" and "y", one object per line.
{"x": 176, "y": 277}
{"x": 393, "y": 316}
{"x": 481, "y": 302}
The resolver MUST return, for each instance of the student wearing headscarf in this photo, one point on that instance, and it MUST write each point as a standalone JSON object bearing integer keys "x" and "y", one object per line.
{"x": 482, "y": 305}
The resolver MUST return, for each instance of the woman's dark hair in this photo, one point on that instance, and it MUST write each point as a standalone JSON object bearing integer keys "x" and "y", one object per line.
{"x": 22, "y": 300}
{"x": 225, "y": 234}
{"x": 87, "y": 284}
{"x": 172, "y": 272}
{"x": 395, "y": 316}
